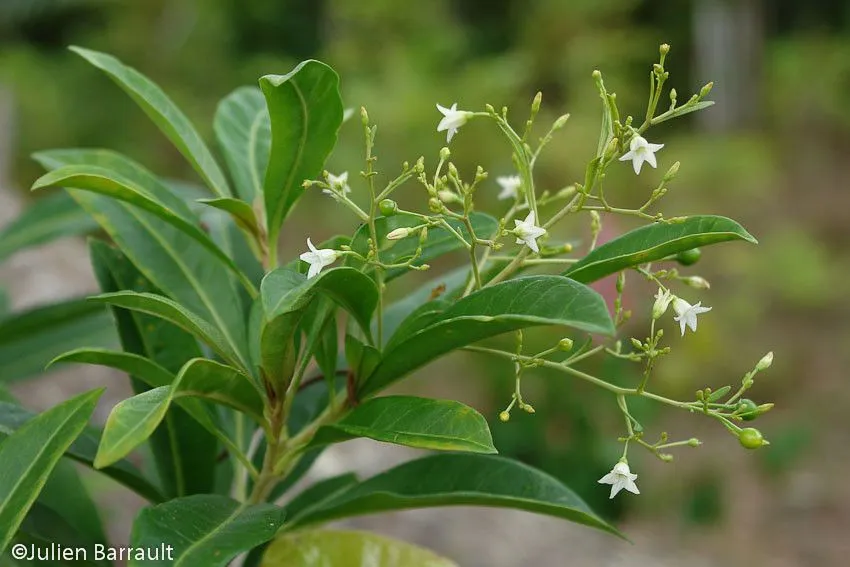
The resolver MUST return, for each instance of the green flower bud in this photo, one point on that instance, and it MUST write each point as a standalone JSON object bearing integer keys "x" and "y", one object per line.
{"x": 664, "y": 49}
{"x": 751, "y": 438}
{"x": 671, "y": 173}
{"x": 434, "y": 205}
{"x": 445, "y": 153}
{"x": 388, "y": 207}
{"x": 694, "y": 442}
{"x": 399, "y": 233}
{"x": 697, "y": 282}
{"x": 559, "y": 123}
{"x": 535, "y": 104}
{"x": 364, "y": 116}
{"x": 565, "y": 344}
{"x": 765, "y": 362}
{"x": 505, "y": 416}
{"x": 689, "y": 257}
{"x": 703, "y": 92}
{"x": 747, "y": 409}
{"x": 448, "y": 197}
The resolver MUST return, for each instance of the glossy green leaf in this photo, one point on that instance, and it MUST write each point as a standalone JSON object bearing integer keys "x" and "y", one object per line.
{"x": 240, "y": 211}
{"x": 306, "y": 112}
{"x": 654, "y": 242}
{"x": 146, "y": 369}
{"x": 30, "y": 339}
{"x": 174, "y": 263}
{"x": 175, "y": 313}
{"x": 65, "y": 494}
{"x": 83, "y": 450}
{"x": 286, "y": 295}
{"x": 204, "y": 530}
{"x": 221, "y": 384}
{"x": 681, "y": 111}
{"x": 333, "y": 548}
{"x": 44, "y": 220}
{"x": 30, "y": 453}
{"x": 507, "y": 306}
{"x": 165, "y": 114}
{"x": 319, "y": 492}
{"x": 130, "y": 424}
{"x": 424, "y": 423}
{"x": 243, "y": 130}
{"x": 106, "y": 182}
{"x": 438, "y": 243}
{"x": 43, "y": 527}
{"x": 454, "y": 479}
{"x": 184, "y": 453}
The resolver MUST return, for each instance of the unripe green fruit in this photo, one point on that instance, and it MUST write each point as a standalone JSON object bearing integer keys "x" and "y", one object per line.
{"x": 689, "y": 257}
{"x": 747, "y": 409}
{"x": 388, "y": 207}
{"x": 751, "y": 438}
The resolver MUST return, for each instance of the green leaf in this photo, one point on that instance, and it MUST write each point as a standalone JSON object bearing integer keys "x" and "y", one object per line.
{"x": 306, "y": 112}
{"x": 44, "y": 220}
{"x": 240, "y": 211}
{"x": 185, "y": 454}
{"x": 507, "y": 306}
{"x": 31, "y": 452}
{"x": 106, "y": 182}
{"x": 143, "y": 368}
{"x": 165, "y": 114}
{"x": 30, "y": 339}
{"x": 455, "y": 479}
{"x": 681, "y": 111}
{"x": 286, "y": 295}
{"x": 221, "y": 384}
{"x": 334, "y": 548}
{"x": 83, "y": 450}
{"x": 172, "y": 261}
{"x": 65, "y": 494}
{"x": 243, "y": 130}
{"x": 438, "y": 243}
{"x": 654, "y": 242}
{"x": 440, "y": 425}
{"x": 43, "y": 527}
{"x": 130, "y": 423}
{"x": 175, "y": 313}
{"x": 204, "y": 530}
{"x": 319, "y": 492}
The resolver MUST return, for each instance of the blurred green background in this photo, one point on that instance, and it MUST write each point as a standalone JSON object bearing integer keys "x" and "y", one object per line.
{"x": 772, "y": 154}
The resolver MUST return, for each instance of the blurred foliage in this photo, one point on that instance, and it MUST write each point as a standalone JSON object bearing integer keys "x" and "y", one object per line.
{"x": 786, "y": 180}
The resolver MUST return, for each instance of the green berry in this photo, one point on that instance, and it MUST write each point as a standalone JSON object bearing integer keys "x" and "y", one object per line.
{"x": 689, "y": 257}
{"x": 747, "y": 409}
{"x": 388, "y": 207}
{"x": 751, "y": 438}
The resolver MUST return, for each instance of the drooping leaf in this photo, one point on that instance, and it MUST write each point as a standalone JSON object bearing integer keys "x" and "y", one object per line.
{"x": 204, "y": 530}
{"x": 175, "y": 313}
{"x": 165, "y": 114}
{"x": 30, "y": 339}
{"x": 319, "y": 492}
{"x": 44, "y": 220}
{"x": 112, "y": 184}
{"x": 507, "y": 306}
{"x": 30, "y": 453}
{"x": 184, "y": 452}
{"x": 439, "y": 242}
{"x": 654, "y": 242}
{"x": 83, "y": 450}
{"x": 176, "y": 264}
{"x": 240, "y": 211}
{"x": 441, "y": 425}
{"x": 457, "y": 479}
{"x": 333, "y": 548}
{"x": 305, "y": 109}
{"x": 221, "y": 384}
{"x": 243, "y": 130}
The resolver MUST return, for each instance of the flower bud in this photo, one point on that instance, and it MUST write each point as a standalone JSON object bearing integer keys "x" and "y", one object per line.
{"x": 480, "y": 174}
{"x": 666, "y": 457}
{"x": 445, "y": 153}
{"x": 448, "y": 197}
{"x": 697, "y": 282}
{"x": 527, "y": 407}
{"x": 565, "y": 344}
{"x": 747, "y": 410}
{"x": 673, "y": 96}
{"x": 420, "y": 165}
{"x": 694, "y": 442}
{"x": 662, "y": 302}
{"x": 452, "y": 169}
{"x": 561, "y": 120}
{"x": 751, "y": 438}
{"x": 689, "y": 257}
{"x": 535, "y": 104}
{"x": 388, "y": 207}
{"x": 671, "y": 173}
{"x": 703, "y": 92}
{"x": 504, "y": 416}
{"x": 399, "y": 233}
{"x": 765, "y": 362}
{"x": 434, "y": 205}
{"x": 364, "y": 116}
{"x": 664, "y": 49}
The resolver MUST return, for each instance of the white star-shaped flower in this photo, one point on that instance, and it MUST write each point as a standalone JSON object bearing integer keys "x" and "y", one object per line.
{"x": 338, "y": 183}
{"x": 318, "y": 258}
{"x": 619, "y": 478}
{"x": 510, "y": 186}
{"x": 641, "y": 151}
{"x": 527, "y": 232}
{"x": 452, "y": 120}
{"x": 686, "y": 314}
